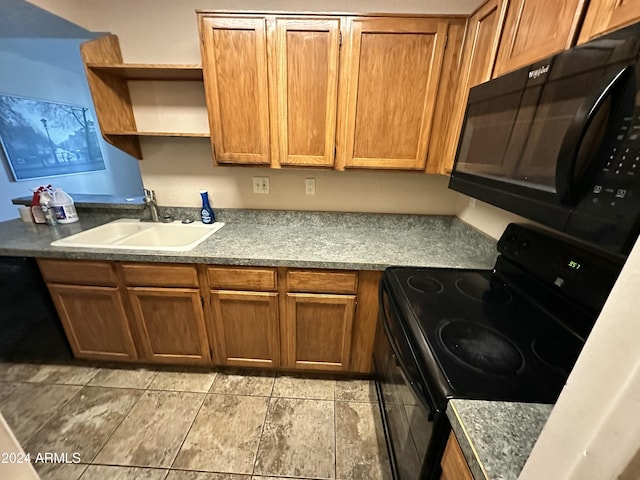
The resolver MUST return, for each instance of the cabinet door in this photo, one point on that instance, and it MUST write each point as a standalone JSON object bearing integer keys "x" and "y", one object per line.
{"x": 246, "y": 328}
{"x": 318, "y": 330}
{"x": 443, "y": 137}
{"x": 306, "y": 51}
{"x": 454, "y": 465}
{"x": 480, "y": 46}
{"x": 95, "y": 322}
{"x": 535, "y": 29}
{"x": 482, "y": 41}
{"x": 603, "y": 16}
{"x": 234, "y": 63}
{"x": 393, "y": 67}
{"x": 171, "y": 324}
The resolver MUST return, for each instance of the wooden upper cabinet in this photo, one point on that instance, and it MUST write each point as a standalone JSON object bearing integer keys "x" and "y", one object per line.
{"x": 478, "y": 59}
{"x": 481, "y": 44}
{"x": 393, "y": 67}
{"x": 272, "y": 88}
{"x": 328, "y": 91}
{"x": 443, "y": 137}
{"x": 306, "y": 54}
{"x": 603, "y": 16}
{"x": 234, "y": 63}
{"x": 535, "y": 29}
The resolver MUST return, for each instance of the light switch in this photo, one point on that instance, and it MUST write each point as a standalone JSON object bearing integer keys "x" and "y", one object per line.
{"x": 260, "y": 184}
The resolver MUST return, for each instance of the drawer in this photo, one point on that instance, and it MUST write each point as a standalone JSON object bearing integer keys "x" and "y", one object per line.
{"x": 227, "y": 278}
{"x": 78, "y": 272}
{"x": 318, "y": 281}
{"x": 158, "y": 275}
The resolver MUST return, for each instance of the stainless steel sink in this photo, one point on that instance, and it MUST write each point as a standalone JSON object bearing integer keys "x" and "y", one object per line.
{"x": 128, "y": 233}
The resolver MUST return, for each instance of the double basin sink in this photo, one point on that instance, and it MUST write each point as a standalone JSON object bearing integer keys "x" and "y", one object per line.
{"x": 133, "y": 234}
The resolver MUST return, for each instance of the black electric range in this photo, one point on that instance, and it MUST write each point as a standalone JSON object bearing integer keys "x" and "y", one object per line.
{"x": 510, "y": 333}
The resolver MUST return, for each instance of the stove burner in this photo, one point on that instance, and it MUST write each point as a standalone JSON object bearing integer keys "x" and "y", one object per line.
{"x": 425, "y": 284}
{"x": 481, "y": 289}
{"x": 556, "y": 353}
{"x": 480, "y": 348}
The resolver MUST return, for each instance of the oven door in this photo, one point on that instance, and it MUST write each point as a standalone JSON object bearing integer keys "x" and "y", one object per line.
{"x": 411, "y": 420}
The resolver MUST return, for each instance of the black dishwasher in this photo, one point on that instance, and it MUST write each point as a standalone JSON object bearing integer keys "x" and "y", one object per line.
{"x": 30, "y": 329}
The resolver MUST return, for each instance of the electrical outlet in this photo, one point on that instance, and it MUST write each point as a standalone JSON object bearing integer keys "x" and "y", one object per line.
{"x": 472, "y": 202}
{"x": 310, "y": 186}
{"x": 260, "y": 184}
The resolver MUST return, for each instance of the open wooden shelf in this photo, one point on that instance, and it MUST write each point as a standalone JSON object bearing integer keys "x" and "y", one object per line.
{"x": 158, "y": 134}
{"x": 139, "y": 71}
{"x": 108, "y": 79}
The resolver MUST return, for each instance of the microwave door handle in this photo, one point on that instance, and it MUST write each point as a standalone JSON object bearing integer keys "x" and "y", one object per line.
{"x": 567, "y": 157}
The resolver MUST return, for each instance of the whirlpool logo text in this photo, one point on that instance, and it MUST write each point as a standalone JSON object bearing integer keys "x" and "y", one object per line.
{"x": 539, "y": 71}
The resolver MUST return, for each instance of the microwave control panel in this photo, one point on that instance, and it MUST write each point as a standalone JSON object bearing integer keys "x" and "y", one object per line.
{"x": 613, "y": 193}
{"x": 620, "y": 171}
{"x": 617, "y": 179}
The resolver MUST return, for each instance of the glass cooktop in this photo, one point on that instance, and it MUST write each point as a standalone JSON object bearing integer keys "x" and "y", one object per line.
{"x": 478, "y": 338}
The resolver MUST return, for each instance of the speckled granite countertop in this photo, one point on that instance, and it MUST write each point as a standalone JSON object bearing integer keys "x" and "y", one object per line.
{"x": 83, "y": 200}
{"x": 496, "y": 437}
{"x": 285, "y": 238}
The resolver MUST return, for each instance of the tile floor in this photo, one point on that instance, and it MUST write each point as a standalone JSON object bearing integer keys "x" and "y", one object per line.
{"x": 139, "y": 424}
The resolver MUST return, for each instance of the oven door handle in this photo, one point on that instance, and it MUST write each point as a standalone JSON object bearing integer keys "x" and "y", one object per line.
{"x": 422, "y": 396}
{"x": 567, "y": 181}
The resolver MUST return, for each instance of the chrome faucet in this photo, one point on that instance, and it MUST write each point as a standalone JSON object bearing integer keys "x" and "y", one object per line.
{"x": 151, "y": 202}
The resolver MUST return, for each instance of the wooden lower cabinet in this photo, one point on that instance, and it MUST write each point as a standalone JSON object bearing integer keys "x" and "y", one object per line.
{"x": 318, "y": 330}
{"x": 171, "y": 325}
{"x": 184, "y": 314}
{"x": 454, "y": 465}
{"x": 245, "y": 326}
{"x": 95, "y": 321}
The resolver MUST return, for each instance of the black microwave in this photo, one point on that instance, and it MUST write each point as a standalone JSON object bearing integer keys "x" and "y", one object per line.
{"x": 558, "y": 142}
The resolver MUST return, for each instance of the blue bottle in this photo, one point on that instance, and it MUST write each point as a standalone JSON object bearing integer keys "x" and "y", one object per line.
{"x": 206, "y": 213}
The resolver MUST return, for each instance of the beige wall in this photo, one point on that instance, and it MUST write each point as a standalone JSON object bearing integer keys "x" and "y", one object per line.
{"x": 179, "y": 169}
{"x": 164, "y": 31}
{"x": 486, "y": 218}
